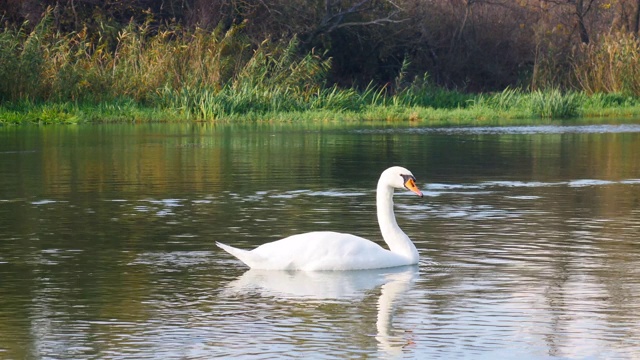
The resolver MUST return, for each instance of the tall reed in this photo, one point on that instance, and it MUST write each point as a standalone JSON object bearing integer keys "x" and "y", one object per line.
{"x": 611, "y": 64}
{"x": 274, "y": 78}
{"x": 45, "y": 65}
{"x": 22, "y": 62}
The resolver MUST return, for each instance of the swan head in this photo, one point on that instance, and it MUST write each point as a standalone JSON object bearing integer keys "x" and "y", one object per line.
{"x": 400, "y": 178}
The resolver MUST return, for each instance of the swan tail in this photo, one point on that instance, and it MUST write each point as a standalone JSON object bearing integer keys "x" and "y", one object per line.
{"x": 243, "y": 255}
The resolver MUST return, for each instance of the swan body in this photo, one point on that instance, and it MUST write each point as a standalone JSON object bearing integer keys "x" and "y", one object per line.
{"x": 327, "y": 250}
{"x": 319, "y": 250}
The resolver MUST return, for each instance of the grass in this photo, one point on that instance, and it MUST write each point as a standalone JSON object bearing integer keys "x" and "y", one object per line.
{"x": 553, "y": 104}
{"x": 74, "y": 113}
{"x": 329, "y": 104}
{"x": 170, "y": 74}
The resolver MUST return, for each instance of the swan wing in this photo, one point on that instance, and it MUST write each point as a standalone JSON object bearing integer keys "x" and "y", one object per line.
{"x": 321, "y": 250}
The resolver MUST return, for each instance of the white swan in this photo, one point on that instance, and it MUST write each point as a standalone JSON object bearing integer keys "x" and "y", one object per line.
{"x": 326, "y": 250}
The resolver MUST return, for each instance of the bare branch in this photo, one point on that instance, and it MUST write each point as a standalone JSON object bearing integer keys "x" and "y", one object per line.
{"x": 333, "y": 21}
{"x": 383, "y": 21}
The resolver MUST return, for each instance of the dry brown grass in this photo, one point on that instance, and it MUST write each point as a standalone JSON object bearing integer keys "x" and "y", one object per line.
{"x": 609, "y": 65}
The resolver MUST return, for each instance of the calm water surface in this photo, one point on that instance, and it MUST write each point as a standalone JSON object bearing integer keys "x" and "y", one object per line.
{"x": 529, "y": 242}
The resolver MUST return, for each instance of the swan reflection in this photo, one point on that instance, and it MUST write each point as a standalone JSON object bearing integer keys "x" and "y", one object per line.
{"x": 328, "y": 286}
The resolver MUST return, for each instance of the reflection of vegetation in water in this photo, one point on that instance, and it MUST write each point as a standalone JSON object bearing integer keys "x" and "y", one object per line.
{"x": 154, "y": 156}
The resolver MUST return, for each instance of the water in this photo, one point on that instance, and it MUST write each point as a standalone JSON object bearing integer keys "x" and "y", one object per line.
{"x": 528, "y": 239}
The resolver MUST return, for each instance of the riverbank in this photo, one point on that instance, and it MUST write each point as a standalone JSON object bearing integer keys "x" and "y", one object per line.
{"x": 437, "y": 108}
{"x": 171, "y": 74}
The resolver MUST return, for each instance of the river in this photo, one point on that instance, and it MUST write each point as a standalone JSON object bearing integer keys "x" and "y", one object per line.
{"x": 528, "y": 235}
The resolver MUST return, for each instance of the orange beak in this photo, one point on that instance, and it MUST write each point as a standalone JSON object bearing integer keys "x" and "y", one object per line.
{"x": 411, "y": 185}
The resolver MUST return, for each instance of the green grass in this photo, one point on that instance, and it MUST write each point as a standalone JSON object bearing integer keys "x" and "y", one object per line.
{"x": 553, "y": 104}
{"x": 327, "y": 104}
{"x": 74, "y": 113}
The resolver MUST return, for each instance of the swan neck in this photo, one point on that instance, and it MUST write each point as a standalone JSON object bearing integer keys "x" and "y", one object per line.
{"x": 395, "y": 238}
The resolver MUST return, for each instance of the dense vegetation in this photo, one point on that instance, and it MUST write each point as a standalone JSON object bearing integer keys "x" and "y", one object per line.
{"x": 69, "y": 61}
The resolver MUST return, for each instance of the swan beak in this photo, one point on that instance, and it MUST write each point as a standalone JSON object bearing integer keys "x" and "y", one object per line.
{"x": 410, "y": 184}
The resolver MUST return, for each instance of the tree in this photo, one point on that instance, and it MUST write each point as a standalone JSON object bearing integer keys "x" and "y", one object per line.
{"x": 636, "y": 22}
{"x": 581, "y": 10}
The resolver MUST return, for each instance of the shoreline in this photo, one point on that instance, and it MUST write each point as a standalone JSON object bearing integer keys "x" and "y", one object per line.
{"x": 130, "y": 112}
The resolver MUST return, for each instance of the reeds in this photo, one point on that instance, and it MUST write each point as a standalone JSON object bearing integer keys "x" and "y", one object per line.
{"x": 611, "y": 64}
{"x": 273, "y": 79}
{"x": 22, "y": 62}
{"x": 205, "y": 75}
{"x": 44, "y": 65}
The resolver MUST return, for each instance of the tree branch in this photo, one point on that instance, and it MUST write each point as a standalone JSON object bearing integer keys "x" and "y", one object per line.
{"x": 383, "y": 21}
{"x": 333, "y": 22}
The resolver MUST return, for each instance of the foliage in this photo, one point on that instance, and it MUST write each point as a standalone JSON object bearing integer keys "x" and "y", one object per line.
{"x": 480, "y": 45}
{"x": 45, "y": 65}
{"x": 553, "y": 104}
{"x": 273, "y": 79}
{"x": 503, "y": 101}
{"x": 134, "y": 72}
{"x": 609, "y": 65}
{"x": 57, "y": 113}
